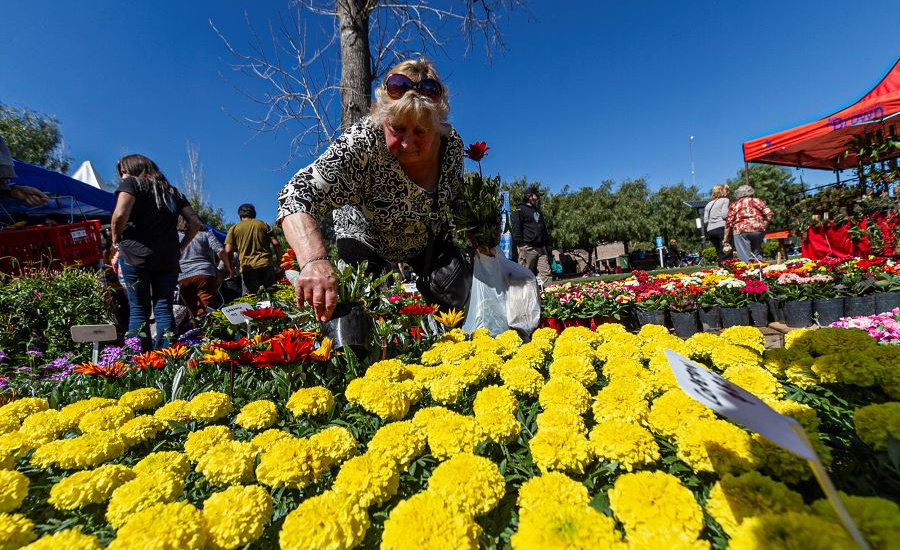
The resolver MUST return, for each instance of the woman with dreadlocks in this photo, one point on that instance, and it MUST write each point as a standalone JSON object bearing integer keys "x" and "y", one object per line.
{"x": 145, "y": 236}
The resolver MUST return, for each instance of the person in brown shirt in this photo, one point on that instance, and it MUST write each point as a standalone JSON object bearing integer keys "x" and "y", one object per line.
{"x": 255, "y": 244}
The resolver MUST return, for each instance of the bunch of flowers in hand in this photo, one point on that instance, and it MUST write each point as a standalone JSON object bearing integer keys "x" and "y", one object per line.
{"x": 477, "y": 225}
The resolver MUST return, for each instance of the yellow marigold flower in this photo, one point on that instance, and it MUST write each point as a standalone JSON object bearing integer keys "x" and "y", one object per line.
{"x": 141, "y": 493}
{"x": 790, "y": 530}
{"x": 178, "y": 410}
{"x": 16, "y": 531}
{"x": 257, "y": 415}
{"x": 801, "y": 376}
{"x": 329, "y": 520}
{"x": 650, "y": 332}
{"x": 453, "y": 434}
{"x": 236, "y": 516}
{"x": 167, "y": 525}
{"x": 717, "y": 446}
{"x": 107, "y": 418}
{"x": 890, "y": 377}
{"x": 71, "y": 414}
{"x": 20, "y": 409}
{"x": 8, "y": 423}
{"x": 734, "y": 498}
{"x": 630, "y": 445}
{"x": 445, "y": 389}
{"x": 562, "y": 418}
{"x": 656, "y": 346}
{"x": 623, "y": 367}
{"x": 580, "y": 368}
{"x": 500, "y": 428}
{"x": 874, "y": 422}
{"x": 802, "y": 413}
{"x": 468, "y": 482}
{"x": 210, "y": 406}
{"x": 291, "y": 462}
{"x": 566, "y": 526}
{"x": 12, "y": 446}
{"x": 571, "y": 348}
{"x": 565, "y": 391}
{"x": 622, "y": 400}
{"x": 701, "y": 345}
{"x": 434, "y": 355}
{"x": 798, "y": 339}
{"x": 655, "y": 503}
{"x": 878, "y": 519}
{"x": 578, "y": 334}
{"x": 336, "y": 442}
{"x": 495, "y": 399}
{"x": 622, "y": 344}
{"x": 550, "y": 490}
{"x": 389, "y": 370}
{"x": 368, "y": 480}
{"x": 41, "y": 427}
{"x": 401, "y": 442}
{"x": 488, "y": 346}
{"x": 749, "y": 337}
{"x": 852, "y": 368}
{"x": 141, "y": 429}
{"x": 172, "y": 462}
{"x": 424, "y": 417}
{"x": 201, "y": 441}
{"x": 779, "y": 360}
{"x": 475, "y": 369}
{"x": 828, "y": 340}
{"x": 81, "y": 452}
{"x": 142, "y": 399}
{"x": 457, "y": 353}
{"x": 228, "y": 463}
{"x": 755, "y": 380}
{"x": 449, "y": 318}
{"x": 389, "y": 401}
{"x": 13, "y": 490}
{"x": 785, "y": 465}
{"x": 509, "y": 342}
{"x": 730, "y": 355}
{"x": 426, "y": 521}
{"x": 313, "y": 401}
{"x": 477, "y": 334}
{"x": 560, "y": 450}
{"x": 70, "y": 539}
{"x": 267, "y": 438}
{"x": 548, "y": 334}
{"x": 603, "y": 332}
{"x": 89, "y": 487}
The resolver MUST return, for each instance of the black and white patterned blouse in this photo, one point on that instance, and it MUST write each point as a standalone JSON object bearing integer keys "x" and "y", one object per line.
{"x": 373, "y": 200}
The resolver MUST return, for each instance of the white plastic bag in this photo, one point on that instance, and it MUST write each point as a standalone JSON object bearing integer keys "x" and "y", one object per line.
{"x": 504, "y": 295}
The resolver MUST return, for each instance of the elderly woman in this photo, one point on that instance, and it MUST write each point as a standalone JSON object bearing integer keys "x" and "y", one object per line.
{"x": 714, "y": 217}
{"x": 390, "y": 180}
{"x": 747, "y": 220}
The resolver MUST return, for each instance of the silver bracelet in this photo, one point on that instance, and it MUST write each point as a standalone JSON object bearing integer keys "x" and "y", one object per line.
{"x": 311, "y": 260}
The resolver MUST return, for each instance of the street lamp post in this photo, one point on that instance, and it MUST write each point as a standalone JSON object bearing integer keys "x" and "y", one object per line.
{"x": 693, "y": 175}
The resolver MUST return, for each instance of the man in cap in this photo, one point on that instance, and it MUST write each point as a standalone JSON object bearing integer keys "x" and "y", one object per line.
{"x": 530, "y": 235}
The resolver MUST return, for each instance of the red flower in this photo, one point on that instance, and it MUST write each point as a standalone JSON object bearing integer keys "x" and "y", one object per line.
{"x": 265, "y": 313}
{"x": 477, "y": 151}
{"x": 116, "y": 370}
{"x": 149, "y": 359}
{"x": 416, "y": 333}
{"x": 287, "y": 351}
{"x": 416, "y": 309}
{"x": 231, "y": 345}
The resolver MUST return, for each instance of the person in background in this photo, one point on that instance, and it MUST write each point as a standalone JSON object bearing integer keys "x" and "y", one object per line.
{"x": 530, "y": 235}
{"x": 255, "y": 244}
{"x": 747, "y": 220}
{"x": 23, "y": 193}
{"x": 198, "y": 277}
{"x": 145, "y": 235}
{"x": 714, "y": 215}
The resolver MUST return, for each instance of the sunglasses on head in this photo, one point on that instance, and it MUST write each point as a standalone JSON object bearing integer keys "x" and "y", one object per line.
{"x": 396, "y": 85}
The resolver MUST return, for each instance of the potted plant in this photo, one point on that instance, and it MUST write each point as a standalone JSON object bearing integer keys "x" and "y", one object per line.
{"x": 822, "y": 291}
{"x": 357, "y": 293}
{"x": 732, "y": 302}
{"x": 757, "y": 290}
{"x": 708, "y": 310}
{"x": 683, "y": 312}
{"x": 857, "y": 283}
{"x": 797, "y": 308}
{"x": 887, "y": 288}
{"x": 651, "y": 304}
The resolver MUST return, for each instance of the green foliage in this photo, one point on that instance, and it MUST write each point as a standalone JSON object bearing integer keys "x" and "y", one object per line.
{"x": 770, "y": 249}
{"x": 709, "y": 255}
{"x": 38, "y": 307}
{"x": 477, "y": 225}
{"x": 776, "y": 187}
{"x": 671, "y": 217}
{"x": 33, "y": 137}
{"x": 211, "y": 215}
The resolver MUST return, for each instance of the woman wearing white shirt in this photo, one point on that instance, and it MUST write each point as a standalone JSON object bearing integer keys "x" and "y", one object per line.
{"x": 714, "y": 217}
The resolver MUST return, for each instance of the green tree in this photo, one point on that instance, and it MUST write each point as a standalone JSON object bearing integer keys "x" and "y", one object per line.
{"x": 33, "y": 137}
{"x": 671, "y": 218}
{"x": 776, "y": 187}
{"x": 627, "y": 213}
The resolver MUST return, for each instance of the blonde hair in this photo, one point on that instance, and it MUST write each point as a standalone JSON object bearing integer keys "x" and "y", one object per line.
{"x": 413, "y": 106}
{"x": 719, "y": 191}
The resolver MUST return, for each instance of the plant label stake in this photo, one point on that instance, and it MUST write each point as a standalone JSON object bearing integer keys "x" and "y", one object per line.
{"x": 741, "y": 406}
{"x": 94, "y": 334}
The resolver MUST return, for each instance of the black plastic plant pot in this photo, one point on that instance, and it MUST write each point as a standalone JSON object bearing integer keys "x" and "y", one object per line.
{"x": 349, "y": 328}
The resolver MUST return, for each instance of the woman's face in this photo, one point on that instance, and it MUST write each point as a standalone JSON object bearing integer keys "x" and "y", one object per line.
{"x": 411, "y": 141}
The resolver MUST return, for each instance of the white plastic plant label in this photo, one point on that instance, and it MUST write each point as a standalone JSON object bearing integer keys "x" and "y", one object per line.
{"x": 235, "y": 313}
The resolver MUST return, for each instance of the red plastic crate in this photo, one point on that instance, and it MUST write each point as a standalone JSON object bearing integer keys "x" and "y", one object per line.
{"x": 50, "y": 246}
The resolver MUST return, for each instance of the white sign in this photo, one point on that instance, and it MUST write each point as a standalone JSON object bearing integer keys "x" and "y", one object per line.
{"x": 235, "y": 313}
{"x": 263, "y": 303}
{"x": 410, "y": 287}
{"x": 93, "y": 333}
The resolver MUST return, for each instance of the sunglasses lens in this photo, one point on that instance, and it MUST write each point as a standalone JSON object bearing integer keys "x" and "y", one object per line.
{"x": 397, "y": 85}
{"x": 430, "y": 88}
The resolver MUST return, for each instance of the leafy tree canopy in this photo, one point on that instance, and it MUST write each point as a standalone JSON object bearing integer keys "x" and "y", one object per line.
{"x": 33, "y": 137}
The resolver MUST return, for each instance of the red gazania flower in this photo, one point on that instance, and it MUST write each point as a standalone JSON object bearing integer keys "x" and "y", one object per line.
{"x": 293, "y": 333}
{"x": 116, "y": 370}
{"x": 285, "y": 352}
{"x": 149, "y": 359}
{"x": 245, "y": 358}
{"x": 477, "y": 151}
{"x": 265, "y": 313}
{"x": 416, "y": 309}
{"x": 416, "y": 333}
{"x": 231, "y": 345}
{"x": 175, "y": 351}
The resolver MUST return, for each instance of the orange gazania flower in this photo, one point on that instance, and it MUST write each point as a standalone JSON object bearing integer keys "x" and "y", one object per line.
{"x": 116, "y": 370}
{"x": 234, "y": 345}
{"x": 149, "y": 359}
{"x": 288, "y": 259}
{"x": 323, "y": 353}
{"x": 175, "y": 351}
{"x": 216, "y": 357}
{"x": 292, "y": 333}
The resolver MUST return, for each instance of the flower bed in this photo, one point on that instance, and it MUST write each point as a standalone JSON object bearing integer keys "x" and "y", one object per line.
{"x": 581, "y": 440}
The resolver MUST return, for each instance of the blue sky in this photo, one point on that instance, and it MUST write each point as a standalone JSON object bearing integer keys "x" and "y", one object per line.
{"x": 586, "y": 91}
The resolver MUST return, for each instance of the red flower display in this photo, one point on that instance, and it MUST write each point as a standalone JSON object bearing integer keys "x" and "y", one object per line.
{"x": 149, "y": 359}
{"x": 235, "y": 345}
{"x": 287, "y": 351}
{"x": 265, "y": 313}
{"x": 416, "y": 309}
{"x": 477, "y": 151}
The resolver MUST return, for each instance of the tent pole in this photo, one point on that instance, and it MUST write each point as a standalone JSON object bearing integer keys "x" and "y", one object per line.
{"x": 747, "y": 171}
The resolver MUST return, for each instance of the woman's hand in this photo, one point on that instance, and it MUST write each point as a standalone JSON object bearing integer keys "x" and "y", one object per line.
{"x": 317, "y": 286}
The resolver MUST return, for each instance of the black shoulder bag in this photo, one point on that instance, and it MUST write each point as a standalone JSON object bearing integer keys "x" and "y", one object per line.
{"x": 446, "y": 276}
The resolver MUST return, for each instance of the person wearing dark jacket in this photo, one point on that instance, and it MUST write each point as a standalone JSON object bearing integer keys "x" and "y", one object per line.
{"x": 530, "y": 235}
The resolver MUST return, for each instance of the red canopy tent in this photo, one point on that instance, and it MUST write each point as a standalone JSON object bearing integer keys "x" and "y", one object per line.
{"x": 821, "y": 144}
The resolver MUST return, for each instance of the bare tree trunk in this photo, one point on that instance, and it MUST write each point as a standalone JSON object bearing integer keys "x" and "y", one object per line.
{"x": 356, "y": 71}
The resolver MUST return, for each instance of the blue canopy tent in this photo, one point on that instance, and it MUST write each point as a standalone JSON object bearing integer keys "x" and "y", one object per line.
{"x": 68, "y": 196}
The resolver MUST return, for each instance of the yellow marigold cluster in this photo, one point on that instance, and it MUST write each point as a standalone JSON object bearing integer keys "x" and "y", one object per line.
{"x": 8, "y": 423}
{"x": 828, "y": 340}
{"x": 533, "y": 354}
{"x": 785, "y": 465}
{"x": 70, "y": 539}
{"x": 336, "y": 443}
{"x": 623, "y": 367}
{"x": 566, "y": 526}
{"x": 198, "y": 443}
{"x": 730, "y": 355}
{"x": 749, "y": 337}
{"x": 387, "y": 400}
{"x": 560, "y": 450}
{"x": 701, "y": 345}
{"x": 141, "y": 429}
{"x": 141, "y": 493}
{"x": 228, "y": 463}
{"x": 579, "y": 334}
{"x": 12, "y": 446}
{"x": 475, "y": 369}
{"x": 779, "y": 360}
{"x": 16, "y": 531}
{"x": 389, "y": 370}
{"x": 457, "y": 353}
{"x": 755, "y": 380}
{"x": 442, "y": 383}
{"x": 81, "y": 452}
{"x": 41, "y": 427}
{"x": 451, "y": 434}
{"x": 368, "y": 480}
{"x": 801, "y": 376}
{"x": 401, "y": 442}
{"x": 500, "y": 428}
{"x": 258, "y": 415}
{"x": 236, "y": 516}
{"x": 801, "y": 412}
{"x": 89, "y": 487}
{"x": 580, "y": 368}
{"x": 71, "y": 414}
{"x": 107, "y": 418}
{"x": 165, "y": 525}
{"x": 874, "y": 422}
{"x": 522, "y": 380}
{"x": 141, "y": 399}
{"x": 178, "y": 410}
{"x": 509, "y": 341}
{"x": 291, "y": 462}
{"x": 426, "y": 521}
{"x": 550, "y": 490}
{"x": 734, "y": 498}
{"x": 853, "y": 368}
{"x": 172, "y": 462}
{"x": 878, "y": 519}
{"x": 564, "y": 391}
{"x": 210, "y": 406}
{"x": 20, "y": 409}
{"x": 329, "y": 520}
{"x": 631, "y": 445}
{"x": 471, "y": 483}
{"x": 313, "y": 401}
{"x": 655, "y": 505}
{"x": 562, "y": 418}
{"x": 622, "y": 400}
{"x": 790, "y": 530}
{"x": 567, "y": 347}
{"x": 13, "y": 490}
{"x": 495, "y": 399}
{"x": 267, "y": 438}
{"x": 712, "y": 445}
